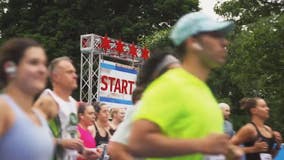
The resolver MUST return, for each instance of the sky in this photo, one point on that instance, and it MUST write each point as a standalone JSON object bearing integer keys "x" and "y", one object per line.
{"x": 207, "y": 7}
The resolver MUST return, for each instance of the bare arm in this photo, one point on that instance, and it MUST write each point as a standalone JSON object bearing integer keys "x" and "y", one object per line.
{"x": 147, "y": 137}
{"x": 92, "y": 129}
{"x": 119, "y": 151}
{"x": 6, "y": 118}
{"x": 2, "y": 121}
{"x": 278, "y": 138}
{"x": 47, "y": 106}
{"x": 245, "y": 134}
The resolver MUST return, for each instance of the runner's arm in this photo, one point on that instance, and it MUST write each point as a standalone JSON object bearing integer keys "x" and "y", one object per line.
{"x": 278, "y": 138}
{"x": 148, "y": 141}
{"x": 245, "y": 134}
{"x": 119, "y": 151}
{"x": 2, "y": 121}
{"x": 6, "y": 118}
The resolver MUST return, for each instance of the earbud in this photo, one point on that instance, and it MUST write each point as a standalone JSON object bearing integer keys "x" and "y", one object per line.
{"x": 197, "y": 46}
{"x": 10, "y": 68}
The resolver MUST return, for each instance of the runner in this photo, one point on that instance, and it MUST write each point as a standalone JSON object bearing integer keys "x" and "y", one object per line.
{"x": 179, "y": 118}
{"x": 156, "y": 65}
{"x": 64, "y": 127}
{"x": 86, "y": 115}
{"x": 260, "y": 141}
{"x": 101, "y": 125}
{"x": 117, "y": 116}
{"x": 24, "y": 133}
{"x": 228, "y": 126}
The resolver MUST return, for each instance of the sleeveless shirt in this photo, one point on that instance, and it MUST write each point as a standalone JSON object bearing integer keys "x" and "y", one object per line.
{"x": 25, "y": 140}
{"x": 270, "y": 142}
{"x": 66, "y": 110}
{"x": 87, "y": 137}
{"x": 100, "y": 139}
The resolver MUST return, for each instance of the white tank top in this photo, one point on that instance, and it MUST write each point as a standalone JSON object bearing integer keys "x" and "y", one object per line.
{"x": 66, "y": 110}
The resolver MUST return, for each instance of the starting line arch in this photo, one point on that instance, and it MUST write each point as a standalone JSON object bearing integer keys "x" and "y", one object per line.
{"x": 109, "y": 69}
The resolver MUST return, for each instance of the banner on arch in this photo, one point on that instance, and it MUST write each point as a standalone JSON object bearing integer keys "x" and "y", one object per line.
{"x": 116, "y": 83}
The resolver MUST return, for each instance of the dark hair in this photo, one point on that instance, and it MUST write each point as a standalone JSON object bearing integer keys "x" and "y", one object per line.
{"x": 137, "y": 94}
{"x": 146, "y": 73}
{"x": 181, "y": 51}
{"x": 13, "y": 50}
{"x": 98, "y": 106}
{"x": 81, "y": 108}
{"x": 249, "y": 103}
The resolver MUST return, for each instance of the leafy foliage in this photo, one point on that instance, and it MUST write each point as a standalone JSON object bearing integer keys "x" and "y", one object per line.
{"x": 256, "y": 62}
{"x": 249, "y": 11}
{"x": 58, "y": 24}
{"x": 157, "y": 39}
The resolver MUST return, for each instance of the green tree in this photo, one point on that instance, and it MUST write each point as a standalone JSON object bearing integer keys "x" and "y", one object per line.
{"x": 257, "y": 64}
{"x": 156, "y": 39}
{"x": 58, "y": 24}
{"x": 256, "y": 61}
{"x": 249, "y": 11}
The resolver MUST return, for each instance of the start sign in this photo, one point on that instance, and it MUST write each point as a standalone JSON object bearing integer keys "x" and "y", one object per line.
{"x": 117, "y": 82}
{"x": 116, "y": 85}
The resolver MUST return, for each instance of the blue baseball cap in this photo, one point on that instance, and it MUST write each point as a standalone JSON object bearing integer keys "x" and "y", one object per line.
{"x": 197, "y": 22}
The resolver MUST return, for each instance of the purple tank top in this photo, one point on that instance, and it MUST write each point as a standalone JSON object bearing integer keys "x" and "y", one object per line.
{"x": 25, "y": 140}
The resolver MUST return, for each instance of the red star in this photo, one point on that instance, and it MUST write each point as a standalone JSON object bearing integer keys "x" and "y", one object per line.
{"x": 85, "y": 43}
{"x": 132, "y": 50}
{"x": 119, "y": 46}
{"x": 145, "y": 53}
{"x": 105, "y": 43}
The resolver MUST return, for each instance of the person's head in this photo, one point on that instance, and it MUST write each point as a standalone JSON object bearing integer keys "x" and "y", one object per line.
{"x": 47, "y": 105}
{"x": 225, "y": 109}
{"x": 200, "y": 36}
{"x": 137, "y": 94}
{"x": 86, "y": 113}
{"x": 160, "y": 61}
{"x": 117, "y": 114}
{"x": 101, "y": 111}
{"x": 256, "y": 107}
{"x": 23, "y": 65}
{"x": 63, "y": 73}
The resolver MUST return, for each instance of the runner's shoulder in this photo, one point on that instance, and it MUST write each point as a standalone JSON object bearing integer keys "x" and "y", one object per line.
{"x": 5, "y": 110}
{"x": 6, "y": 117}
{"x": 249, "y": 129}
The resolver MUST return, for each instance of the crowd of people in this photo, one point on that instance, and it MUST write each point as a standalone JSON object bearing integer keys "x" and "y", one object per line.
{"x": 175, "y": 115}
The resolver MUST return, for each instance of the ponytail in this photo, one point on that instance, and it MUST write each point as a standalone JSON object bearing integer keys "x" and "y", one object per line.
{"x": 248, "y": 103}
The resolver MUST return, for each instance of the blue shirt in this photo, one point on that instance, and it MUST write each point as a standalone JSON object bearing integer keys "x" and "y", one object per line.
{"x": 228, "y": 128}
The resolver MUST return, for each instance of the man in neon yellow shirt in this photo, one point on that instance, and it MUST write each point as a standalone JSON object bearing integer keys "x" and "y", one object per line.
{"x": 179, "y": 118}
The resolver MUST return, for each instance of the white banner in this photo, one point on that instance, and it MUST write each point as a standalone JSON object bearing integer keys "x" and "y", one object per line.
{"x": 117, "y": 82}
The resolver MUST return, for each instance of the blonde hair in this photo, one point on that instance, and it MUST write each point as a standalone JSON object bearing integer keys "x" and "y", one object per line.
{"x": 114, "y": 111}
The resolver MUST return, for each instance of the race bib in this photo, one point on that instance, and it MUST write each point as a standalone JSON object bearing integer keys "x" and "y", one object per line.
{"x": 265, "y": 156}
{"x": 214, "y": 157}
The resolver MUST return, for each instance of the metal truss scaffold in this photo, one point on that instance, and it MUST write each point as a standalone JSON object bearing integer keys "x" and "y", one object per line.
{"x": 89, "y": 76}
{"x": 91, "y": 55}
